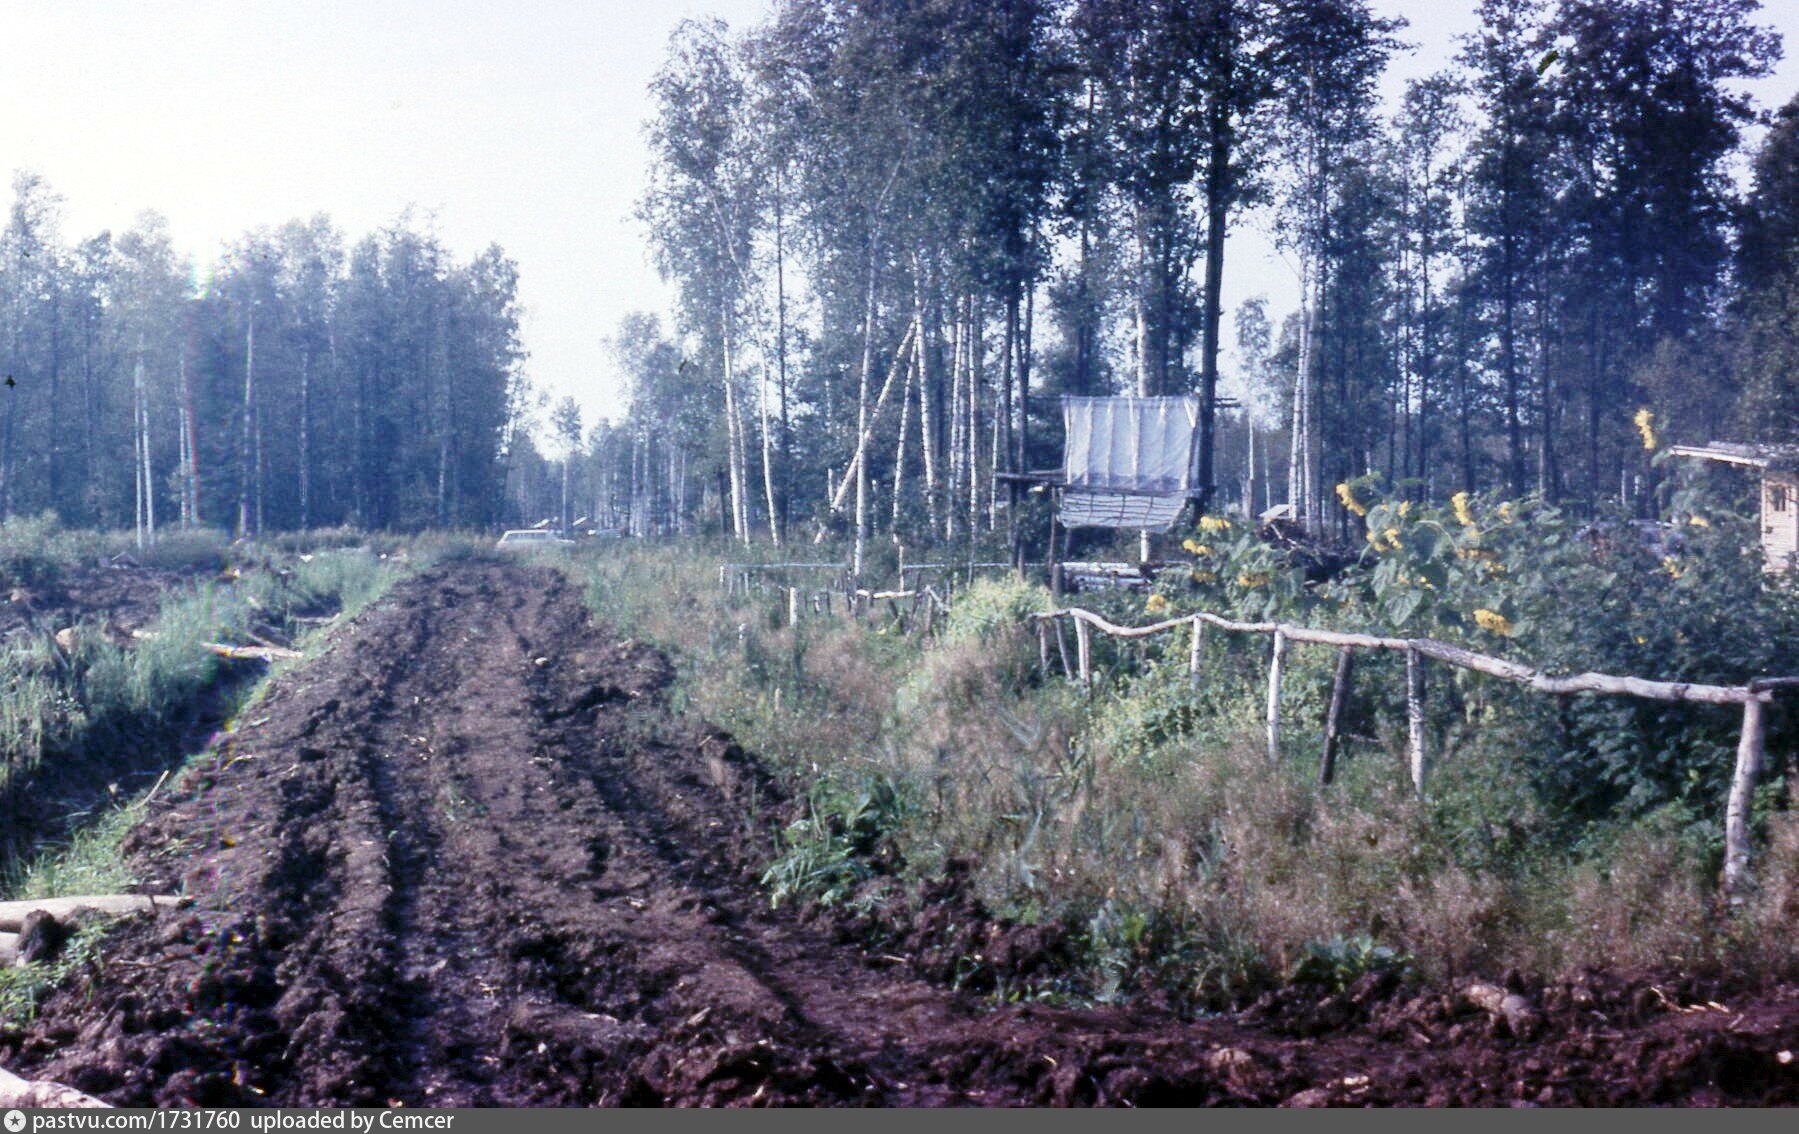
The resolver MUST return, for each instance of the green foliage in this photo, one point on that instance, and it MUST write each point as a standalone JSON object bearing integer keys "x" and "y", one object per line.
{"x": 830, "y": 850}
{"x": 991, "y": 606}
{"x": 30, "y": 555}
{"x": 1340, "y": 962}
{"x": 1524, "y": 580}
{"x": 1142, "y": 820}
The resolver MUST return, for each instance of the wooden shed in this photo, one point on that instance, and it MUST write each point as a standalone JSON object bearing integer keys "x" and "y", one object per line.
{"x": 1779, "y": 468}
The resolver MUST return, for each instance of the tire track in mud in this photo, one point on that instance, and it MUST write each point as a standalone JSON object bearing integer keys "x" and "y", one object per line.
{"x": 469, "y": 857}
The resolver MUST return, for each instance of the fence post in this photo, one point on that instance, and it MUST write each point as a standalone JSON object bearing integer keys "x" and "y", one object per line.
{"x": 1276, "y": 663}
{"x": 793, "y": 606}
{"x": 1193, "y": 649}
{"x": 1333, "y": 718}
{"x": 1083, "y": 649}
{"x": 1742, "y": 791}
{"x": 1414, "y": 714}
{"x": 1042, "y": 649}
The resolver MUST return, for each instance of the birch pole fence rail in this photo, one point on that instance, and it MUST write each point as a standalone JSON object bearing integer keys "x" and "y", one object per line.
{"x": 1753, "y": 696}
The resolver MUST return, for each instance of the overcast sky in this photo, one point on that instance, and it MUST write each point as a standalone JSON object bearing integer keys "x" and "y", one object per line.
{"x": 517, "y": 123}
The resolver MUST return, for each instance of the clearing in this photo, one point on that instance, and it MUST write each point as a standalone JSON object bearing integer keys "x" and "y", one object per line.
{"x": 471, "y": 857}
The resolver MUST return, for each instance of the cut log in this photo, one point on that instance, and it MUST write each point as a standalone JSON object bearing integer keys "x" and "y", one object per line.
{"x": 13, "y": 914}
{"x": 9, "y": 950}
{"x": 25, "y": 1094}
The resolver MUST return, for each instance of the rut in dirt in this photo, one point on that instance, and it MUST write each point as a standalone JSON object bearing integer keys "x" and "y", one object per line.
{"x": 470, "y": 857}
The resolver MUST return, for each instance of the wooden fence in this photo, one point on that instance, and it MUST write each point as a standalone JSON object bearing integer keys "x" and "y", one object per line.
{"x": 1754, "y": 696}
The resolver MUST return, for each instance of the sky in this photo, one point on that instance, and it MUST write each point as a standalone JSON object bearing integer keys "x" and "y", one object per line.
{"x": 518, "y": 124}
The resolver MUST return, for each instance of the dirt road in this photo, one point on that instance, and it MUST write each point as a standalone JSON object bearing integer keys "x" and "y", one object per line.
{"x": 470, "y": 857}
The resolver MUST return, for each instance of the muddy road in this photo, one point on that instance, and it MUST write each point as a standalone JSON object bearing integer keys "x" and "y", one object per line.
{"x": 470, "y": 857}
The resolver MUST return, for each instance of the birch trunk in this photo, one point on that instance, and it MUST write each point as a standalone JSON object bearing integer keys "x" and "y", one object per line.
{"x": 740, "y": 528}
{"x": 193, "y": 443}
{"x": 956, "y": 420}
{"x": 899, "y": 454}
{"x": 305, "y": 440}
{"x": 973, "y": 433}
{"x": 247, "y": 455}
{"x": 862, "y": 414}
{"x": 768, "y": 460}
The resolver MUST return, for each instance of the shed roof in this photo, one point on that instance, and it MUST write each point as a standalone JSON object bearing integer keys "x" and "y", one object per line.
{"x": 1769, "y": 458}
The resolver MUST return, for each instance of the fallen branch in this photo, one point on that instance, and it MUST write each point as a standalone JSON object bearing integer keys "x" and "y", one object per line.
{"x": 13, "y": 914}
{"x": 235, "y": 653}
{"x": 24, "y": 1094}
{"x": 252, "y": 653}
{"x": 9, "y": 950}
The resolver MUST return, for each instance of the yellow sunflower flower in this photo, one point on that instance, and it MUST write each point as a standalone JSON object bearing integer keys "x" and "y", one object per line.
{"x": 1214, "y": 524}
{"x": 1645, "y": 423}
{"x": 1494, "y": 621}
{"x": 1156, "y": 604}
{"x": 1349, "y": 501}
{"x": 1463, "y": 516}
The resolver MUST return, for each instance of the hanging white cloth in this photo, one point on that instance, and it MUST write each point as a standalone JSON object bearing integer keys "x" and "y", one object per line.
{"x": 1128, "y": 462}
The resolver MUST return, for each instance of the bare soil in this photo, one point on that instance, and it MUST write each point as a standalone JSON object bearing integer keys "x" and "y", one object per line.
{"x": 471, "y": 857}
{"x": 125, "y": 597}
{"x": 51, "y": 798}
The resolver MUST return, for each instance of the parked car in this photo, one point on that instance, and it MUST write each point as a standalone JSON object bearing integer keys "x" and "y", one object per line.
{"x": 529, "y": 539}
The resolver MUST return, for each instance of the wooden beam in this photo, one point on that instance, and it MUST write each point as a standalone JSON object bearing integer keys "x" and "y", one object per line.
{"x": 1276, "y": 663}
{"x": 1196, "y": 651}
{"x": 1333, "y": 717}
{"x": 1750, "y": 747}
{"x": 1414, "y": 716}
{"x": 1459, "y": 656}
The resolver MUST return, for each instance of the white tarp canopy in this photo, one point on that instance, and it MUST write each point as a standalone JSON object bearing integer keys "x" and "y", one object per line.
{"x": 1128, "y": 461}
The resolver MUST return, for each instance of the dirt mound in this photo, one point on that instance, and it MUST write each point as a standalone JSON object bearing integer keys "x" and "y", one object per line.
{"x": 126, "y": 597}
{"x": 471, "y": 858}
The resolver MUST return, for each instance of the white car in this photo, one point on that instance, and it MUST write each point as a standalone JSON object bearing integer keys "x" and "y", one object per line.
{"x": 527, "y": 539}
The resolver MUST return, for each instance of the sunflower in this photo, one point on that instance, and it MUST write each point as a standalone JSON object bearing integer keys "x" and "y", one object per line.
{"x": 1494, "y": 621}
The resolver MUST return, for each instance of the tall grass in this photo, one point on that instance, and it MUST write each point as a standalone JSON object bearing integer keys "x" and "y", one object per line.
{"x": 1143, "y": 822}
{"x": 92, "y": 693}
{"x": 107, "y": 695}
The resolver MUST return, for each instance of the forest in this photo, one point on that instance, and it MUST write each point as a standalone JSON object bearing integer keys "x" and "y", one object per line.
{"x": 299, "y": 381}
{"x": 1437, "y": 748}
{"x": 898, "y": 230}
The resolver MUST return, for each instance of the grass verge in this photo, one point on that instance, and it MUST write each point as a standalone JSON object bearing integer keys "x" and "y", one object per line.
{"x": 1136, "y": 841}
{"x": 147, "y": 689}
